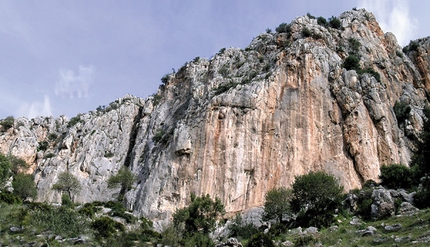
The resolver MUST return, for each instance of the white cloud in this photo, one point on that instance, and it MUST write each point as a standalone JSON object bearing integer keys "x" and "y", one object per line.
{"x": 393, "y": 16}
{"x": 36, "y": 108}
{"x": 71, "y": 85}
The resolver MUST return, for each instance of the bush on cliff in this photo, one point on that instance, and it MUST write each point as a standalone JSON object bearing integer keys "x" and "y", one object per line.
{"x": 200, "y": 216}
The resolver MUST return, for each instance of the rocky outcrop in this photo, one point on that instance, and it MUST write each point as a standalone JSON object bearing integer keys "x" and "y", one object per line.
{"x": 243, "y": 122}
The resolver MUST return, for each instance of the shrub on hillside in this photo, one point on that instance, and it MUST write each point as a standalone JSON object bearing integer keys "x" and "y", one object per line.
{"x": 200, "y": 216}
{"x": 24, "y": 186}
{"x": 5, "y": 167}
{"x": 283, "y": 28}
{"x": 316, "y": 196}
{"x": 322, "y": 21}
{"x": 352, "y": 62}
{"x": 402, "y": 110}
{"x": 7, "y": 123}
{"x": 334, "y": 22}
{"x": 260, "y": 240}
{"x": 396, "y": 176}
{"x": 277, "y": 204}
{"x": 105, "y": 227}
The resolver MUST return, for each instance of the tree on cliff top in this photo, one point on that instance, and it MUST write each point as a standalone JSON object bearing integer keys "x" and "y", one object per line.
{"x": 67, "y": 183}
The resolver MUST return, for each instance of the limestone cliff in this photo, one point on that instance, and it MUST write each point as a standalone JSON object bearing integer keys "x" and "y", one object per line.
{"x": 244, "y": 121}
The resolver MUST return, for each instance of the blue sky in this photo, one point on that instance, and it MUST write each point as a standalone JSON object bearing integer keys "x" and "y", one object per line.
{"x": 69, "y": 57}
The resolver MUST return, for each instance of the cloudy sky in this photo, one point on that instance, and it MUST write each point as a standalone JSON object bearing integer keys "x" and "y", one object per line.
{"x": 69, "y": 57}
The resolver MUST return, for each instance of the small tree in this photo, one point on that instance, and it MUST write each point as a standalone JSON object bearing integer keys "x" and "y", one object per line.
{"x": 124, "y": 178}
{"x": 67, "y": 183}
{"x": 7, "y": 123}
{"x": 316, "y": 195}
{"x": 24, "y": 186}
{"x": 200, "y": 216}
{"x": 5, "y": 167}
{"x": 277, "y": 204}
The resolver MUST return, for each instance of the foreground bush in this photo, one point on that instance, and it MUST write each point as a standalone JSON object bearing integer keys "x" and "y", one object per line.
{"x": 316, "y": 196}
{"x": 396, "y": 176}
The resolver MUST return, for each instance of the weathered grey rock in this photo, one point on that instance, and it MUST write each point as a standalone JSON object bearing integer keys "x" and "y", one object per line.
{"x": 393, "y": 228}
{"x": 241, "y": 123}
{"x": 311, "y": 230}
{"x": 402, "y": 239}
{"x": 380, "y": 240}
{"x": 383, "y": 204}
{"x": 355, "y": 221}
{"x": 16, "y": 229}
{"x": 407, "y": 209}
{"x": 369, "y": 231}
{"x": 233, "y": 242}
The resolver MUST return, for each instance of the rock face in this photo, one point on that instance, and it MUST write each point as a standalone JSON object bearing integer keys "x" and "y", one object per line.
{"x": 244, "y": 121}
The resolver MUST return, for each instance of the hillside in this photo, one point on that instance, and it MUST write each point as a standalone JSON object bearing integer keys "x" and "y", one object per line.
{"x": 343, "y": 98}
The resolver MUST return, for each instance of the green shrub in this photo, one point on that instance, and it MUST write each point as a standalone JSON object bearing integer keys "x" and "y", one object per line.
{"x": 158, "y": 135}
{"x": 108, "y": 154}
{"x": 105, "y": 227}
{"x": 61, "y": 221}
{"x": 268, "y": 30}
{"x": 221, "y": 51}
{"x": 170, "y": 236}
{"x": 224, "y": 88}
{"x": 334, "y": 22}
{"x": 371, "y": 72}
{"x": 49, "y": 155}
{"x": 364, "y": 202}
{"x": 304, "y": 240}
{"x": 124, "y": 178}
{"x": 198, "y": 239}
{"x": 7, "y": 123}
{"x": 52, "y": 136}
{"x": 89, "y": 209}
{"x": 316, "y": 196}
{"x": 283, "y": 28}
{"x": 402, "y": 110}
{"x": 17, "y": 164}
{"x": 413, "y": 46}
{"x": 354, "y": 44}
{"x": 24, "y": 186}
{"x": 396, "y": 176}
{"x": 43, "y": 146}
{"x": 277, "y": 204}
{"x": 352, "y": 62}
{"x": 322, "y": 21}
{"x": 260, "y": 240}
{"x": 200, "y": 216}
{"x": 306, "y": 32}
{"x": 66, "y": 201}
{"x": 165, "y": 79}
{"x": 399, "y": 54}
{"x": 5, "y": 167}
{"x": 9, "y": 197}
{"x": 310, "y": 16}
{"x": 74, "y": 120}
